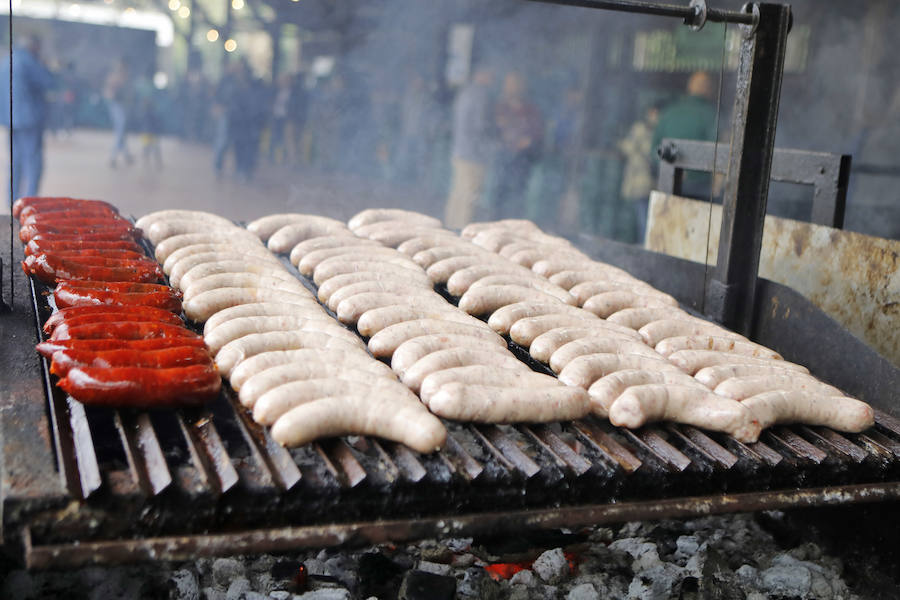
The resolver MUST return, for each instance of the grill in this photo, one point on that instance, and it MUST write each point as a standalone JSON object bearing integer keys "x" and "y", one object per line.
{"x": 107, "y": 486}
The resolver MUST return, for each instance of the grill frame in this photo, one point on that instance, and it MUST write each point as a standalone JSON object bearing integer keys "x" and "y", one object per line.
{"x": 246, "y": 494}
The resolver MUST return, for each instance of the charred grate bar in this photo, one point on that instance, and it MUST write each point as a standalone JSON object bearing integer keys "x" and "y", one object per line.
{"x": 155, "y": 485}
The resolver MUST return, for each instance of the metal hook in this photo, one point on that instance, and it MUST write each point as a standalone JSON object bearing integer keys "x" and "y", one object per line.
{"x": 752, "y": 8}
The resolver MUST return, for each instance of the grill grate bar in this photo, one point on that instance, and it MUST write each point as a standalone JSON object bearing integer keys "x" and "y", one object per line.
{"x": 879, "y": 445}
{"x": 561, "y": 452}
{"x": 836, "y": 442}
{"x": 797, "y": 445}
{"x": 693, "y": 448}
{"x": 132, "y": 455}
{"x": 147, "y": 443}
{"x": 209, "y": 454}
{"x": 339, "y": 451}
{"x": 770, "y": 456}
{"x": 660, "y": 448}
{"x": 470, "y": 468}
{"x": 387, "y": 463}
{"x": 509, "y": 450}
{"x": 887, "y": 421}
{"x": 406, "y": 461}
{"x": 277, "y": 461}
{"x": 712, "y": 448}
{"x": 86, "y": 457}
{"x": 608, "y": 447}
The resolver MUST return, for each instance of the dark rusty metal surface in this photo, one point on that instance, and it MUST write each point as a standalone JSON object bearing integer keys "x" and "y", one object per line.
{"x": 828, "y": 174}
{"x": 177, "y": 548}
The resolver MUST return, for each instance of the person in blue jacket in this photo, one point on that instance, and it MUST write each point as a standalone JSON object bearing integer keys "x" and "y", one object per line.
{"x": 31, "y": 81}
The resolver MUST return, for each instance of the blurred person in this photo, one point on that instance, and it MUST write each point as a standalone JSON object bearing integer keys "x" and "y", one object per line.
{"x": 325, "y": 121}
{"x": 559, "y": 193}
{"x": 246, "y": 109}
{"x": 68, "y": 98}
{"x": 194, "y": 98}
{"x": 298, "y": 109}
{"x": 637, "y": 179}
{"x": 117, "y": 93}
{"x": 31, "y": 81}
{"x": 280, "y": 141}
{"x": 148, "y": 121}
{"x": 521, "y": 129}
{"x": 692, "y": 117}
{"x": 472, "y": 146}
{"x": 417, "y": 116}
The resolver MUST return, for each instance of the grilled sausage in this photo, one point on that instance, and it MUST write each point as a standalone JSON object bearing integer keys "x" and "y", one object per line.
{"x": 711, "y": 377}
{"x": 635, "y": 318}
{"x": 522, "y": 225}
{"x": 457, "y": 357}
{"x": 163, "y": 358}
{"x": 236, "y": 328}
{"x": 43, "y": 203}
{"x": 260, "y": 309}
{"x": 493, "y": 376}
{"x": 794, "y": 406}
{"x": 121, "y": 330}
{"x": 643, "y": 404}
{"x": 328, "y": 241}
{"x": 242, "y": 280}
{"x": 740, "y": 388}
{"x": 393, "y": 234}
{"x": 408, "y": 422}
{"x": 379, "y": 215}
{"x": 162, "y": 230}
{"x": 388, "y": 286}
{"x": 143, "y": 387}
{"x": 311, "y": 368}
{"x": 413, "y": 349}
{"x": 351, "y": 308}
{"x": 524, "y": 331}
{"x": 607, "y": 303}
{"x": 69, "y": 296}
{"x": 181, "y": 215}
{"x": 46, "y": 349}
{"x": 374, "y": 320}
{"x": 311, "y": 260}
{"x": 183, "y": 278}
{"x": 657, "y": 331}
{"x": 434, "y": 239}
{"x": 585, "y": 370}
{"x": 375, "y": 257}
{"x": 691, "y": 361}
{"x": 597, "y": 345}
{"x": 462, "y": 280}
{"x": 204, "y": 305}
{"x": 388, "y": 339}
{"x": 487, "y": 299}
{"x": 607, "y": 389}
{"x": 239, "y": 350}
{"x": 279, "y": 400}
{"x": 426, "y": 258}
{"x": 323, "y": 273}
{"x": 544, "y": 345}
{"x": 42, "y": 246}
{"x": 266, "y": 360}
{"x": 503, "y": 318}
{"x": 189, "y": 256}
{"x": 441, "y": 271}
{"x": 288, "y": 236}
{"x": 489, "y": 404}
{"x": 264, "y": 227}
{"x": 237, "y": 238}
{"x": 720, "y": 344}
{"x": 51, "y": 269}
{"x": 85, "y": 313}
{"x": 413, "y": 280}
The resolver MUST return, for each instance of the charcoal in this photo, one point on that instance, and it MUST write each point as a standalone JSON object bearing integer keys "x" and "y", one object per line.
{"x": 420, "y": 585}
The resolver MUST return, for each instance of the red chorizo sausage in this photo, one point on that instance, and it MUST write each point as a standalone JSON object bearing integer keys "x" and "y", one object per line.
{"x": 68, "y": 296}
{"x": 107, "y": 236}
{"x": 47, "y": 348}
{"x": 136, "y": 313}
{"x": 52, "y": 216}
{"x": 121, "y": 330}
{"x": 143, "y": 387}
{"x": 47, "y": 202}
{"x": 165, "y": 358}
{"x": 117, "y": 316}
{"x": 107, "y": 253}
{"x": 117, "y": 286}
{"x": 51, "y": 269}
{"x": 26, "y": 232}
{"x": 38, "y": 246}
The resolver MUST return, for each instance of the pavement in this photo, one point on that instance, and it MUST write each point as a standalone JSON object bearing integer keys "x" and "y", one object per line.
{"x": 78, "y": 166}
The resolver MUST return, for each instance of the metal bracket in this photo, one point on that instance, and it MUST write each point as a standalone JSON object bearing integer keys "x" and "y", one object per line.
{"x": 828, "y": 174}
{"x": 700, "y": 13}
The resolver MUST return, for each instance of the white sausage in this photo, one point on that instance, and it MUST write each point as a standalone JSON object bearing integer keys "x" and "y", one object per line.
{"x": 202, "y": 306}
{"x": 324, "y": 273}
{"x": 487, "y": 299}
{"x": 236, "y": 328}
{"x": 328, "y": 241}
{"x": 395, "y": 233}
{"x": 408, "y": 423}
{"x": 569, "y": 279}
{"x": 643, "y": 404}
{"x": 544, "y": 345}
{"x": 386, "y": 341}
{"x": 221, "y": 251}
{"x": 493, "y": 376}
{"x": 597, "y": 345}
{"x": 606, "y": 390}
{"x": 426, "y": 258}
{"x": 586, "y": 289}
{"x": 245, "y": 280}
{"x": 266, "y": 360}
{"x": 711, "y": 377}
{"x": 233, "y": 353}
{"x": 739, "y": 388}
{"x": 442, "y": 270}
{"x": 170, "y": 245}
{"x": 328, "y": 366}
{"x": 710, "y": 342}
{"x": 185, "y": 277}
{"x": 524, "y": 331}
{"x": 396, "y": 287}
{"x": 457, "y": 357}
{"x": 311, "y": 260}
{"x": 160, "y": 230}
{"x": 264, "y": 227}
{"x": 691, "y": 361}
{"x": 328, "y": 288}
{"x": 277, "y": 401}
{"x": 179, "y": 215}
{"x": 657, "y": 331}
{"x": 378, "y": 215}
{"x": 607, "y": 303}
{"x": 260, "y": 309}
{"x": 472, "y": 229}
{"x": 374, "y": 320}
{"x": 503, "y": 318}
{"x": 836, "y": 412}
{"x": 284, "y": 239}
{"x": 391, "y": 257}
{"x": 527, "y": 282}
{"x": 489, "y": 404}
{"x": 459, "y": 282}
{"x": 585, "y": 370}
{"x": 413, "y": 349}
{"x": 635, "y": 318}
{"x": 350, "y": 309}
{"x": 425, "y": 241}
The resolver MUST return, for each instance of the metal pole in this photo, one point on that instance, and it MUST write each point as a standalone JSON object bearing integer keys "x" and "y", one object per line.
{"x": 730, "y": 294}
{"x": 695, "y": 14}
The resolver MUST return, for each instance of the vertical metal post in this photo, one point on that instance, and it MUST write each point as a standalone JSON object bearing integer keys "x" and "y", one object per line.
{"x": 730, "y": 293}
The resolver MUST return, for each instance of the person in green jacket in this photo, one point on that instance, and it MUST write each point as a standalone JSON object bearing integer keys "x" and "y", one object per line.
{"x": 692, "y": 117}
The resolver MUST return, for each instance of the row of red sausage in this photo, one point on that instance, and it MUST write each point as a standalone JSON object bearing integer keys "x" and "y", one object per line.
{"x": 116, "y": 338}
